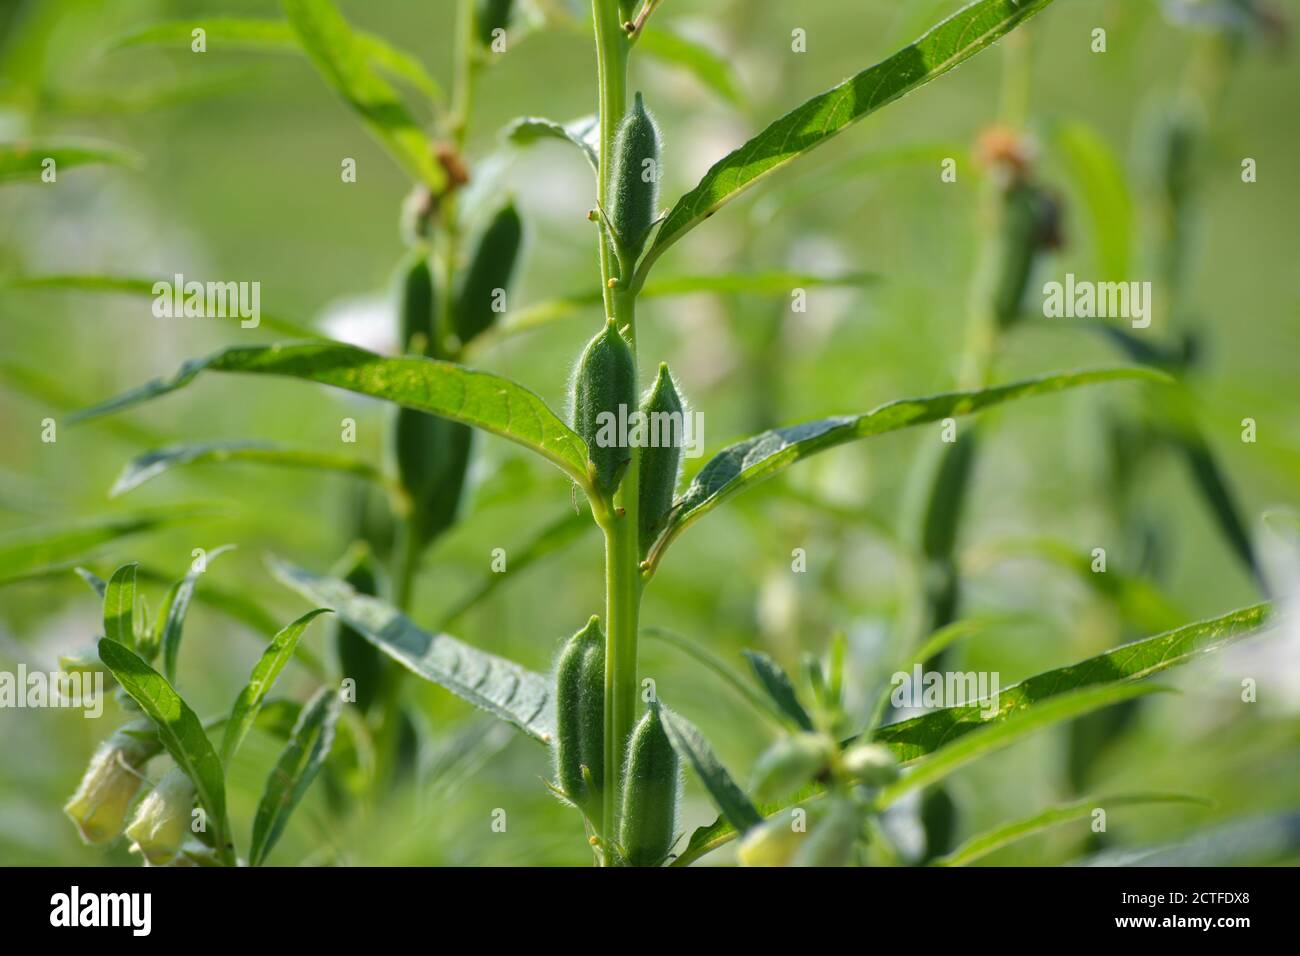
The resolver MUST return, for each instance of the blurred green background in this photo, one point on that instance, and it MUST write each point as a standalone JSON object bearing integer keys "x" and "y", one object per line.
{"x": 239, "y": 179}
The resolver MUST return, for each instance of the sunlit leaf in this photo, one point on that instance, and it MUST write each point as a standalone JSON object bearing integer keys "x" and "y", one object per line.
{"x": 451, "y": 391}
{"x": 179, "y": 729}
{"x": 921, "y": 735}
{"x": 777, "y": 683}
{"x": 170, "y": 637}
{"x": 743, "y": 465}
{"x": 119, "y": 606}
{"x": 273, "y": 36}
{"x": 965, "y": 33}
{"x": 265, "y": 672}
{"x": 980, "y": 846}
{"x": 344, "y": 59}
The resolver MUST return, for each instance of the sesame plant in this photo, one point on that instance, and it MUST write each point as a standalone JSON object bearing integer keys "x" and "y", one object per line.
{"x": 826, "y": 790}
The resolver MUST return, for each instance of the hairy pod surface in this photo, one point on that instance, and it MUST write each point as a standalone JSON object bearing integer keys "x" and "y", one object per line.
{"x": 789, "y": 764}
{"x": 487, "y": 281}
{"x": 605, "y": 380}
{"x": 580, "y": 715}
{"x": 634, "y": 190}
{"x": 650, "y": 788}
{"x": 492, "y": 15}
{"x": 661, "y": 456}
{"x": 359, "y": 660}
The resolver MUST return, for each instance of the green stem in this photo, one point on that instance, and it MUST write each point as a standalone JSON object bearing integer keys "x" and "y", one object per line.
{"x": 622, "y": 554}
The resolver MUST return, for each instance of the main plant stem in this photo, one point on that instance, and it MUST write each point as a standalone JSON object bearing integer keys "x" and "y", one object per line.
{"x": 622, "y": 555}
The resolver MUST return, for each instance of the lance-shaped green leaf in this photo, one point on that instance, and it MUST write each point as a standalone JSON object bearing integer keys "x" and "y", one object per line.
{"x": 745, "y": 464}
{"x": 1099, "y": 178}
{"x": 558, "y": 534}
{"x": 299, "y": 762}
{"x": 169, "y": 639}
{"x": 714, "y": 71}
{"x": 274, "y": 36}
{"x": 265, "y": 672}
{"x": 502, "y": 688}
{"x": 980, "y": 846}
{"x": 344, "y": 60}
{"x": 154, "y": 463}
{"x": 583, "y": 133}
{"x": 1251, "y": 841}
{"x": 180, "y": 731}
{"x": 777, "y": 683}
{"x": 1004, "y": 731}
{"x": 27, "y": 160}
{"x": 139, "y": 286}
{"x": 921, "y": 735}
{"x": 451, "y": 391}
{"x": 962, "y": 35}
{"x": 694, "y": 750}
{"x": 119, "y": 606}
{"x": 33, "y": 552}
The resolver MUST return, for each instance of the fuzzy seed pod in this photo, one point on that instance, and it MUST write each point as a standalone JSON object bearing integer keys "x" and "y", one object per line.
{"x": 661, "y": 456}
{"x": 650, "y": 787}
{"x": 99, "y": 806}
{"x": 359, "y": 660}
{"x": 417, "y": 303}
{"x": 432, "y": 453}
{"x": 482, "y": 292}
{"x": 832, "y": 841}
{"x": 774, "y": 843}
{"x": 162, "y": 820}
{"x": 605, "y": 380}
{"x": 634, "y": 192}
{"x": 790, "y": 763}
{"x": 580, "y": 715}
{"x": 1030, "y": 225}
{"x": 492, "y": 15}
{"x": 871, "y": 764}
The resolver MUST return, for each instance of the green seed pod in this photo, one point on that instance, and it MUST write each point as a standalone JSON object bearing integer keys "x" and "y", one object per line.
{"x": 633, "y": 199}
{"x": 774, "y": 843}
{"x": 492, "y": 15}
{"x": 162, "y": 820}
{"x": 580, "y": 715}
{"x": 482, "y": 297}
{"x": 417, "y": 303}
{"x": 432, "y": 453}
{"x": 605, "y": 380}
{"x": 99, "y": 806}
{"x": 790, "y": 763}
{"x": 871, "y": 764}
{"x": 661, "y": 456}
{"x": 650, "y": 786}
{"x": 1029, "y": 225}
{"x": 833, "y": 841}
